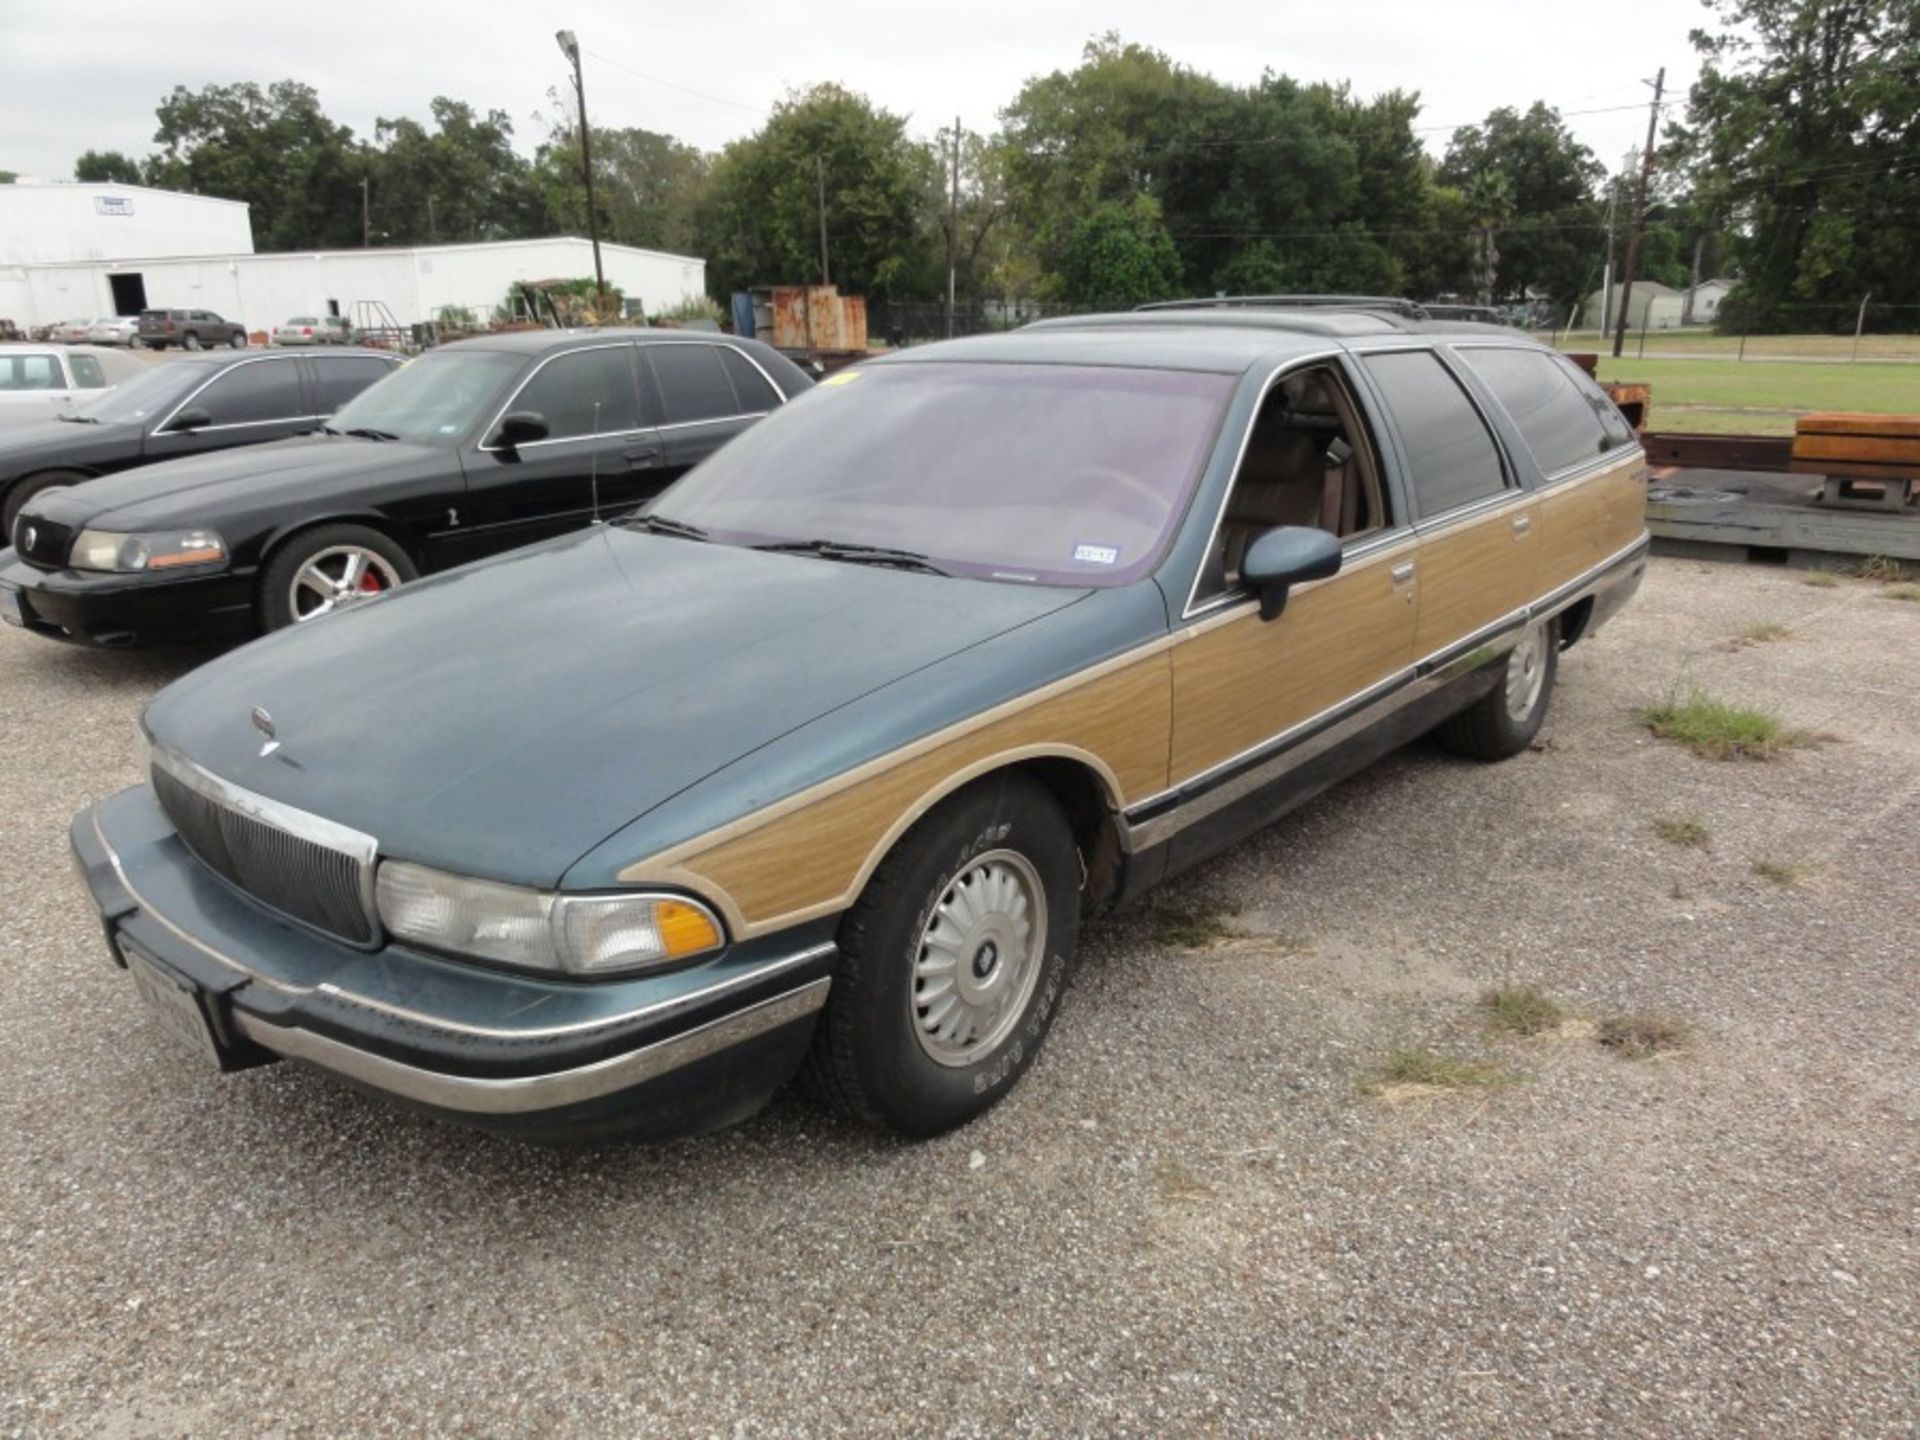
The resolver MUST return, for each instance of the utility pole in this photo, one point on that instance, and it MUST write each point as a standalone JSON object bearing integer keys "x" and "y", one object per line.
{"x": 433, "y": 234}
{"x": 953, "y": 225}
{"x": 1639, "y": 216}
{"x": 1859, "y": 324}
{"x": 1606, "y": 266}
{"x": 366, "y": 215}
{"x": 570, "y": 47}
{"x": 820, "y": 180}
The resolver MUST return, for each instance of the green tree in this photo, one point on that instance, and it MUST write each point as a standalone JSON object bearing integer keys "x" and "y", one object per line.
{"x": 462, "y": 180}
{"x": 1553, "y": 237}
{"x": 759, "y": 220}
{"x": 648, "y": 186}
{"x": 1805, "y": 126}
{"x": 107, "y": 165}
{"x": 1119, "y": 255}
{"x": 275, "y": 149}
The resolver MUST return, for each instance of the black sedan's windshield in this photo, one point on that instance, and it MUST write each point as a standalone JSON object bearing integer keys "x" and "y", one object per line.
{"x": 1056, "y": 474}
{"x": 436, "y": 398}
{"x": 145, "y": 397}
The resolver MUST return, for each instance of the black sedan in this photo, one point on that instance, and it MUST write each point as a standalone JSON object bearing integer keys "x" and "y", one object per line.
{"x": 470, "y": 450}
{"x": 183, "y": 407}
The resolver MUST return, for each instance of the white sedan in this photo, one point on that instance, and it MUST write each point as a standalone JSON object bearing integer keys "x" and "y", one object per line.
{"x": 38, "y": 382}
{"x": 114, "y": 330}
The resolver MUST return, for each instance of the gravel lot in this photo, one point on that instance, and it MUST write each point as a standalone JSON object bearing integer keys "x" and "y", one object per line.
{"x": 1194, "y": 1217}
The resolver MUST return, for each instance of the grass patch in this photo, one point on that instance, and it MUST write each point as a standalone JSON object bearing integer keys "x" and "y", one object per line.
{"x": 1434, "y": 1071}
{"x": 1682, "y": 830}
{"x": 1901, "y": 592}
{"x": 1717, "y": 730}
{"x": 1521, "y": 1010}
{"x": 1786, "y": 873}
{"x": 1184, "y": 927}
{"x": 1641, "y": 1037}
{"x": 1783, "y": 390}
{"x": 1175, "y": 1182}
{"x": 1882, "y": 570}
{"x": 1820, "y": 579}
{"x": 1765, "y": 633}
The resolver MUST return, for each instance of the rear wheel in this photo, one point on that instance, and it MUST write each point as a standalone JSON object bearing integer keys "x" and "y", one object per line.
{"x": 1504, "y": 721}
{"x": 330, "y": 568}
{"x": 24, "y": 490}
{"x": 952, "y": 962}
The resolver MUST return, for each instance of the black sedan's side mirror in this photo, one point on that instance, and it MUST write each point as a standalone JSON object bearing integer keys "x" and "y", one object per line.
{"x": 522, "y": 427}
{"x": 186, "y": 420}
{"x": 1282, "y": 558}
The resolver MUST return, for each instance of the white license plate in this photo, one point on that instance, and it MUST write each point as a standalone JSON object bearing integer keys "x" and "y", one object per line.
{"x": 11, "y": 609}
{"x": 175, "y": 1003}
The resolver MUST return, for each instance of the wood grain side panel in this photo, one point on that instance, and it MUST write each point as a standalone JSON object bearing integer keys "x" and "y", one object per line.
{"x": 1241, "y": 680}
{"x": 1584, "y": 521}
{"x": 810, "y": 857}
{"x": 1475, "y": 572}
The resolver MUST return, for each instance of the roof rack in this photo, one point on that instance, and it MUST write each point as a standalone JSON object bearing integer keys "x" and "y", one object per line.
{"x": 1394, "y": 305}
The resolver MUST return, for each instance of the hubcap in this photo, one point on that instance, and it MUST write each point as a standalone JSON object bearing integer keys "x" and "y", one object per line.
{"x": 979, "y": 958}
{"x": 1526, "y": 672}
{"x": 339, "y": 576}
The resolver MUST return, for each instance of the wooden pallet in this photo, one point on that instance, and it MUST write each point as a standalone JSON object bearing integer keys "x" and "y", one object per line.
{"x": 1869, "y": 462}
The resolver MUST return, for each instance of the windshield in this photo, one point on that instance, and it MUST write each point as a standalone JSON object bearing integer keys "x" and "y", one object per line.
{"x": 1056, "y": 474}
{"x": 143, "y": 398}
{"x": 435, "y": 398}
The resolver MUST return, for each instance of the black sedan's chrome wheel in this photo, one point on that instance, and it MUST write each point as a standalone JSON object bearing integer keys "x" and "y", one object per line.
{"x": 339, "y": 576}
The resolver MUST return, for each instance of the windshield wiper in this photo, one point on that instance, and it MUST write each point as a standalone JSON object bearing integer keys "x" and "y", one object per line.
{"x": 664, "y": 525}
{"x": 855, "y": 554}
{"x": 367, "y": 432}
{"x": 73, "y": 419}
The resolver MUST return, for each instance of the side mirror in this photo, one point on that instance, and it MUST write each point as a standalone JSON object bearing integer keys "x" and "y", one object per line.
{"x": 186, "y": 420}
{"x": 522, "y": 427}
{"x": 1282, "y": 558}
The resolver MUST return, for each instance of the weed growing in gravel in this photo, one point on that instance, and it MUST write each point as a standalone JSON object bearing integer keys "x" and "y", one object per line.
{"x": 1682, "y": 830}
{"x": 1762, "y": 634}
{"x": 1884, "y": 570}
{"x": 1820, "y": 579}
{"x": 1182, "y": 927}
{"x": 1436, "y": 1072}
{"x": 1786, "y": 872}
{"x": 1901, "y": 592}
{"x": 1176, "y": 1182}
{"x": 1521, "y": 1010}
{"x": 1641, "y": 1037}
{"x": 1720, "y": 731}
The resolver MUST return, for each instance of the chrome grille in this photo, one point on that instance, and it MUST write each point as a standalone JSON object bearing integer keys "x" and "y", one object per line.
{"x": 323, "y": 878}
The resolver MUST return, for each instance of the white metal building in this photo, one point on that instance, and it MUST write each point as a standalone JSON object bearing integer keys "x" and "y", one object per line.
{"x": 61, "y": 258}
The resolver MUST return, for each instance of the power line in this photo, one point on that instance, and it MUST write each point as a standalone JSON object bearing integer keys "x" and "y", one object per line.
{"x": 676, "y": 85}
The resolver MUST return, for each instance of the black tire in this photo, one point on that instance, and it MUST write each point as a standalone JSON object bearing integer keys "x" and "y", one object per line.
{"x": 868, "y": 1060}
{"x": 192, "y": 341}
{"x": 1489, "y": 729}
{"x": 274, "y": 602}
{"x": 238, "y": 340}
{"x": 24, "y": 490}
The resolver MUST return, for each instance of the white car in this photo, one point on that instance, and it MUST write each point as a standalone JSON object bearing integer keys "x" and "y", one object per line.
{"x": 38, "y": 382}
{"x": 311, "y": 330}
{"x": 114, "y": 330}
{"x": 70, "y": 332}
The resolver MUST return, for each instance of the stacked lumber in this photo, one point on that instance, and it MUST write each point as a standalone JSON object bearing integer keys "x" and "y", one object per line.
{"x": 1867, "y": 459}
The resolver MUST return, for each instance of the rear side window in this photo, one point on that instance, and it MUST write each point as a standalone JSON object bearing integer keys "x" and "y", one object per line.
{"x": 585, "y": 393}
{"x": 1597, "y": 400}
{"x": 30, "y": 372}
{"x": 252, "y": 394}
{"x": 749, "y": 385}
{"x": 1451, "y": 456}
{"x": 338, "y": 379}
{"x": 87, "y": 374}
{"x": 1559, "y": 426}
{"x": 693, "y": 383}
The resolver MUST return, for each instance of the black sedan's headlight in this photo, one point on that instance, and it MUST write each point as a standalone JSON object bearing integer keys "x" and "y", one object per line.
{"x": 116, "y": 553}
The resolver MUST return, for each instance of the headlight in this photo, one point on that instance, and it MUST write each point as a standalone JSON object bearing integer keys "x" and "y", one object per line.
{"x": 166, "y": 550}
{"x": 573, "y": 934}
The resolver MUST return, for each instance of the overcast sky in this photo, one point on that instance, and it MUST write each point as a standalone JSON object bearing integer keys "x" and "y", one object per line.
{"x": 89, "y": 76}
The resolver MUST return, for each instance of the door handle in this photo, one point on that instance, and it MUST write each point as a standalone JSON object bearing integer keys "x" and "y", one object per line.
{"x": 642, "y": 457}
{"x": 1522, "y": 524}
{"x": 1402, "y": 573}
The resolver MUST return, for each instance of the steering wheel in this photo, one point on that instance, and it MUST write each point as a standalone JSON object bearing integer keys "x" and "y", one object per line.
{"x": 1151, "y": 506}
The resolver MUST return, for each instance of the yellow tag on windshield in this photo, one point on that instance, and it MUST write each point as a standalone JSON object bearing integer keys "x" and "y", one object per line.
{"x": 841, "y": 377}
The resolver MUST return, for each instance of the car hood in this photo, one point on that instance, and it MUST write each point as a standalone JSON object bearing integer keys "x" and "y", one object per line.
{"x": 192, "y": 490}
{"x": 43, "y": 443}
{"x": 503, "y": 719}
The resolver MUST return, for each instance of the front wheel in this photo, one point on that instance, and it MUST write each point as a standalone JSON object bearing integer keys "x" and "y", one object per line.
{"x": 237, "y": 340}
{"x": 331, "y": 568}
{"x": 1504, "y": 721}
{"x": 952, "y": 962}
{"x": 192, "y": 342}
